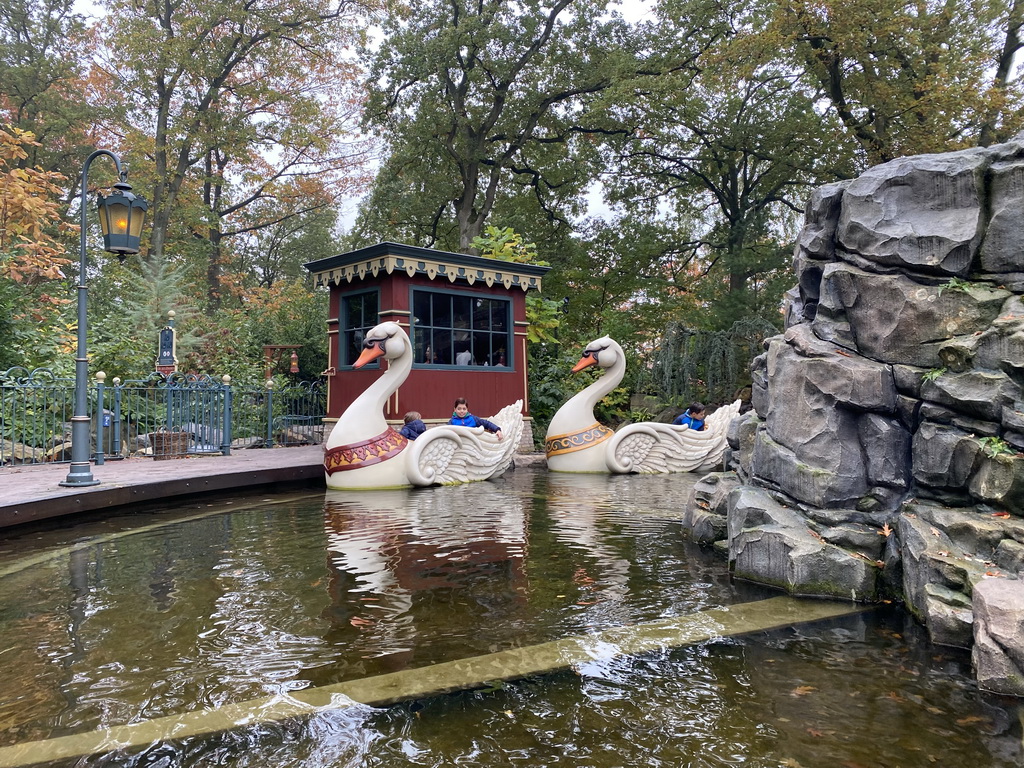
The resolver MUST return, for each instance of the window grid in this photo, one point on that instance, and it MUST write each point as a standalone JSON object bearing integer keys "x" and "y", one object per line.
{"x": 460, "y": 330}
{"x": 359, "y": 312}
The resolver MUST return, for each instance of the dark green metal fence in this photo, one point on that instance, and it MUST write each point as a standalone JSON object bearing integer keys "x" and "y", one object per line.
{"x": 161, "y": 416}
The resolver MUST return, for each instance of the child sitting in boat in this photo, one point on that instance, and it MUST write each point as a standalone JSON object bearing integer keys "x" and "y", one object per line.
{"x": 414, "y": 426}
{"x": 693, "y": 418}
{"x": 463, "y": 418}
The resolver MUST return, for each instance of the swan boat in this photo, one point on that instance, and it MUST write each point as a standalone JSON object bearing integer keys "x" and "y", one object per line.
{"x": 363, "y": 451}
{"x": 577, "y": 442}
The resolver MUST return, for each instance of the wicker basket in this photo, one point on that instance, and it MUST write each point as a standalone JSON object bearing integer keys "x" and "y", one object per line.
{"x": 169, "y": 445}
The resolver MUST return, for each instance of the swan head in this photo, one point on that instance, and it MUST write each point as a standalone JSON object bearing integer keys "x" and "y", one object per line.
{"x": 603, "y": 352}
{"x": 386, "y": 340}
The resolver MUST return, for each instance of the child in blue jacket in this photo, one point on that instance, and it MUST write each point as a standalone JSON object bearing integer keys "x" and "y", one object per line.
{"x": 414, "y": 426}
{"x": 693, "y": 418}
{"x": 463, "y": 418}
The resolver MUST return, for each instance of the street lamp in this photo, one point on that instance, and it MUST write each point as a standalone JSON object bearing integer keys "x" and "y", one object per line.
{"x": 121, "y": 217}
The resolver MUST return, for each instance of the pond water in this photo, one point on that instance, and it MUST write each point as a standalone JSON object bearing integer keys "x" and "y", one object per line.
{"x": 151, "y": 616}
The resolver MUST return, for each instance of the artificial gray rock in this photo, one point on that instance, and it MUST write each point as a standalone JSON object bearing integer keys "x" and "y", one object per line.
{"x": 934, "y": 570}
{"x": 817, "y": 238}
{"x": 999, "y": 480}
{"x": 771, "y": 544}
{"x": 886, "y": 446}
{"x": 978, "y": 394}
{"x": 942, "y": 456}
{"x": 705, "y": 516}
{"x": 1004, "y": 239}
{"x": 998, "y": 653}
{"x": 895, "y": 319}
{"x": 922, "y": 214}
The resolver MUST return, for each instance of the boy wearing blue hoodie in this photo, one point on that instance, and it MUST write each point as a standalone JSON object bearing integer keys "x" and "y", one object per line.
{"x": 463, "y": 418}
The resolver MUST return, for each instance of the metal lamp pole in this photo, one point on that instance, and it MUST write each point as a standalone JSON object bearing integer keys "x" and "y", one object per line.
{"x": 121, "y": 236}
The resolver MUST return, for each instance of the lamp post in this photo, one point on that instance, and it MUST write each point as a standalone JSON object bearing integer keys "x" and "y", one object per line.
{"x": 121, "y": 218}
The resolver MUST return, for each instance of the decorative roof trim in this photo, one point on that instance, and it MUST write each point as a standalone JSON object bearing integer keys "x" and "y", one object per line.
{"x": 388, "y": 258}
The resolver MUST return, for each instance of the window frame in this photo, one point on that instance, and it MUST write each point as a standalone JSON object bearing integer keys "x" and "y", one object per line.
{"x": 344, "y": 329}
{"x": 417, "y": 328}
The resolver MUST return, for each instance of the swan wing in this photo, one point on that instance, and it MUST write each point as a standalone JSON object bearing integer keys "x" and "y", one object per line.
{"x": 653, "y": 448}
{"x": 447, "y": 455}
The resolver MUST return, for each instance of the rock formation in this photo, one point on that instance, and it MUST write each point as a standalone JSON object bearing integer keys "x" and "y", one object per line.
{"x": 883, "y": 455}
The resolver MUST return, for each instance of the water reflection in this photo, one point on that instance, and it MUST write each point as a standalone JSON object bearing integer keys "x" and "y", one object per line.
{"x": 386, "y": 547}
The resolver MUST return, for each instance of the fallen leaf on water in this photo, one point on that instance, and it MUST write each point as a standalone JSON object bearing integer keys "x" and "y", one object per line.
{"x": 355, "y": 621}
{"x": 789, "y": 762}
{"x": 971, "y": 720}
{"x": 814, "y": 732}
{"x": 802, "y": 690}
{"x": 894, "y": 696}
{"x": 586, "y": 602}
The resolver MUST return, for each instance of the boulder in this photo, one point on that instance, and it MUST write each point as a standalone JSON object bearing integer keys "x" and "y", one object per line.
{"x": 895, "y": 319}
{"x": 771, "y": 544}
{"x": 922, "y": 214}
{"x": 998, "y": 653}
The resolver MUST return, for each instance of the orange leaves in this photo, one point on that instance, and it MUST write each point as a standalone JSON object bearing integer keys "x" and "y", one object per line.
{"x": 29, "y": 214}
{"x": 886, "y": 531}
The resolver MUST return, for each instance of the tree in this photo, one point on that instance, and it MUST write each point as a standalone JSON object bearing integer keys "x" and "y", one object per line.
{"x": 31, "y": 255}
{"x": 234, "y": 103}
{"x": 42, "y": 47}
{"x": 909, "y": 78}
{"x": 477, "y": 98}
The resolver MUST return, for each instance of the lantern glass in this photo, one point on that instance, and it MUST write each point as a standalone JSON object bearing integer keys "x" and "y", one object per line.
{"x": 122, "y": 215}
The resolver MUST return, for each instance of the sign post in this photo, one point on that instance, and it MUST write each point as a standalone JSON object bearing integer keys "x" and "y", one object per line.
{"x": 166, "y": 360}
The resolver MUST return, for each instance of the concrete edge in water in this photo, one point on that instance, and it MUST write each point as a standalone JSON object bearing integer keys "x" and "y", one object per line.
{"x": 446, "y": 677}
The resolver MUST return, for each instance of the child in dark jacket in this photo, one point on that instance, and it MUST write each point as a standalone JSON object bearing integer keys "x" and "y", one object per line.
{"x": 693, "y": 418}
{"x": 463, "y": 418}
{"x": 414, "y": 426}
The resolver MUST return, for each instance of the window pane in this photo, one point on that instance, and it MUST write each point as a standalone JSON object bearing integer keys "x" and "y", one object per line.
{"x": 421, "y": 307}
{"x": 443, "y": 354}
{"x": 461, "y": 306}
{"x": 481, "y": 348}
{"x": 482, "y": 314}
{"x": 442, "y": 305}
{"x": 421, "y": 341}
{"x": 499, "y": 315}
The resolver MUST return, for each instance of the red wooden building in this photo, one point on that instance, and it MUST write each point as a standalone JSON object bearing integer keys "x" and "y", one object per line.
{"x": 465, "y": 316}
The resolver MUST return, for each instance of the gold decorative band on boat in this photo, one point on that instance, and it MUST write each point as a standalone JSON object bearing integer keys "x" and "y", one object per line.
{"x": 356, "y": 455}
{"x": 577, "y": 441}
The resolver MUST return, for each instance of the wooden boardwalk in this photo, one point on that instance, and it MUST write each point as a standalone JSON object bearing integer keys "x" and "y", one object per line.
{"x": 32, "y": 493}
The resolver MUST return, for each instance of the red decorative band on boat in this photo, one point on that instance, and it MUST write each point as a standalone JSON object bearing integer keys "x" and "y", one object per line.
{"x": 577, "y": 441}
{"x": 357, "y": 455}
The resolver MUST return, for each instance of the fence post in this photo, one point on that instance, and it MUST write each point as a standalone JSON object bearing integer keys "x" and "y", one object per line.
{"x": 270, "y": 413}
{"x": 117, "y": 418}
{"x": 101, "y": 377}
{"x": 226, "y": 437}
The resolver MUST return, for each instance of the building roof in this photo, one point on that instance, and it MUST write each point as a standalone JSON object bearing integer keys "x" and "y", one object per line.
{"x": 436, "y": 265}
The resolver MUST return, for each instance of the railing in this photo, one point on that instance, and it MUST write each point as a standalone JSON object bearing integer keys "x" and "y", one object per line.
{"x": 161, "y": 416}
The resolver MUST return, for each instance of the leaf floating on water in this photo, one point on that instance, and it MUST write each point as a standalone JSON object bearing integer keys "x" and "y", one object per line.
{"x": 802, "y": 690}
{"x": 971, "y": 720}
{"x": 355, "y": 621}
{"x": 815, "y": 733}
{"x": 789, "y": 762}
